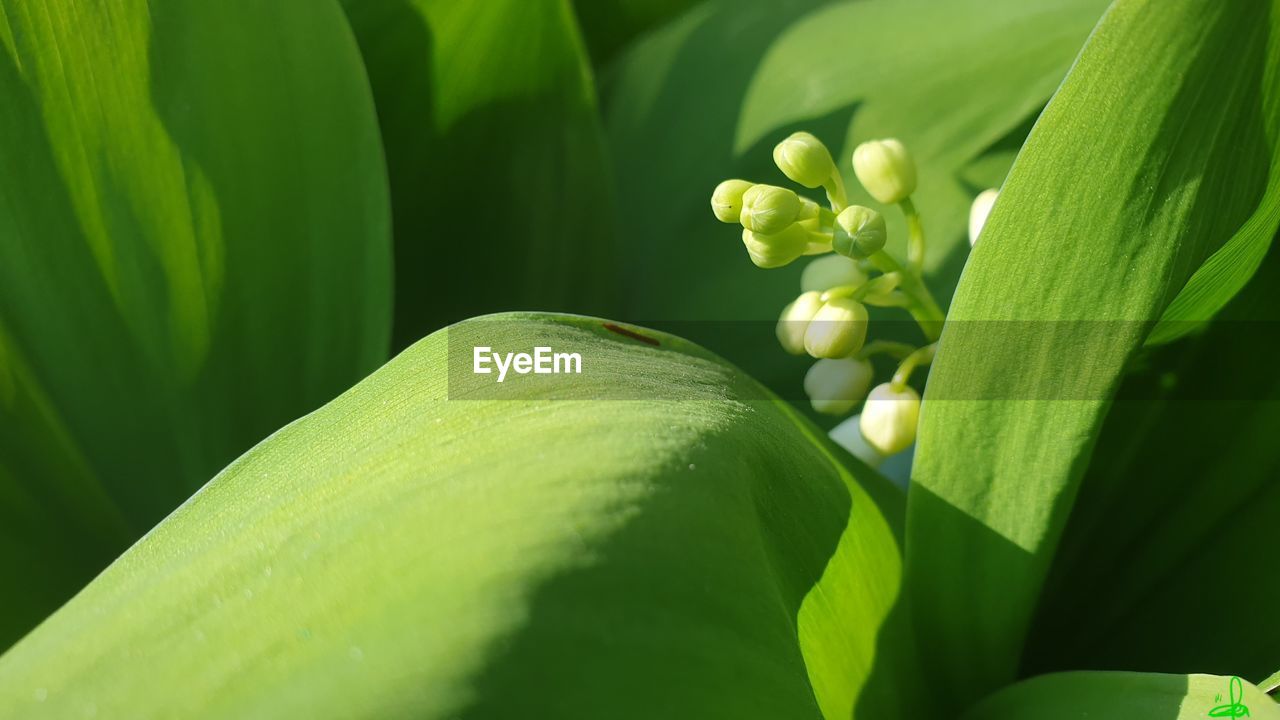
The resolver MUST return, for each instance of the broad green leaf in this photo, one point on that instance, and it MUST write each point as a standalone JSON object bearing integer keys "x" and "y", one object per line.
{"x": 1126, "y": 696}
{"x": 707, "y": 96}
{"x": 499, "y": 183}
{"x": 194, "y": 249}
{"x": 1163, "y": 562}
{"x": 654, "y": 537}
{"x": 1129, "y": 180}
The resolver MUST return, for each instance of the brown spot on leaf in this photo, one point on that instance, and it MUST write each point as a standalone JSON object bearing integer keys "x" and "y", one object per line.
{"x": 630, "y": 333}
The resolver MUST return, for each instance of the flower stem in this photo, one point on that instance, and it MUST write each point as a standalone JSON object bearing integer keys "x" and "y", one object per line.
{"x": 915, "y": 236}
{"x": 922, "y": 306}
{"x": 923, "y": 356}
{"x": 835, "y": 192}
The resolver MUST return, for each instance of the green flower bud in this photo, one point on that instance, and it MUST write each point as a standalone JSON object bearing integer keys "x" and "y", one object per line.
{"x": 979, "y": 211}
{"x": 859, "y": 232}
{"x": 837, "y": 330}
{"x": 795, "y": 321}
{"x": 889, "y": 418}
{"x": 769, "y": 209}
{"x": 726, "y": 201}
{"x": 834, "y": 387}
{"x": 809, "y": 210}
{"x": 885, "y": 169}
{"x": 774, "y": 251}
{"x": 831, "y": 271}
{"x": 803, "y": 158}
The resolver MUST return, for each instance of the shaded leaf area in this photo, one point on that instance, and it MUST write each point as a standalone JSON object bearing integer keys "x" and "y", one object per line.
{"x": 194, "y": 250}
{"x": 707, "y": 96}
{"x": 499, "y": 183}
{"x": 609, "y": 25}
{"x": 1227, "y": 271}
{"x": 1126, "y": 696}
{"x": 1161, "y": 565}
{"x": 654, "y": 537}
{"x": 1089, "y": 233}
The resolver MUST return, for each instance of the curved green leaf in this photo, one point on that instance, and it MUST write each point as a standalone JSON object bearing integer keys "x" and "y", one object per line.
{"x": 495, "y": 156}
{"x": 1163, "y": 563}
{"x": 1126, "y": 696}
{"x": 1130, "y": 179}
{"x": 707, "y": 96}
{"x": 194, "y": 250}
{"x": 654, "y": 537}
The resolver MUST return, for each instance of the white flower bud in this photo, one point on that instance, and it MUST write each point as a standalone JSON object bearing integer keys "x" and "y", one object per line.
{"x": 795, "y": 321}
{"x": 885, "y": 169}
{"x": 837, "y": 330}
{"x": 859, "y": 232}
{"x": 803, "y": 158}
{"x": 831, "y": 271}
{"x": 774, "y": 251}
{"x": 834, "y": 387}
{"x": 979, "y": 211}
{"x": 769, "y": 209}
{"x": 889, "y": 418}
{"x": 726, "y": 201}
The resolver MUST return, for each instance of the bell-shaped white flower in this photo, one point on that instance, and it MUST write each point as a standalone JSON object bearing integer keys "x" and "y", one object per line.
{"x": 979, "y": 212}
{"x": 795, "y": 321}
{"x": 889, "y": 418}
{"x": 837, "y": 330}
{"x": 836, "y": 386}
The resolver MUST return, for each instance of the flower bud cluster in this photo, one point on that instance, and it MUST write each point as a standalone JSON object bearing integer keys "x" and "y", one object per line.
{"x": 828, "y": 320}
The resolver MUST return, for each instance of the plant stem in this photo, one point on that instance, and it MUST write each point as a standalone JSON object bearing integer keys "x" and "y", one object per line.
{"x": 835, "y": 192}
{"x": 922, "y": 305}
{"x": 923, "y": 356}
{"x": 915, "y": 236}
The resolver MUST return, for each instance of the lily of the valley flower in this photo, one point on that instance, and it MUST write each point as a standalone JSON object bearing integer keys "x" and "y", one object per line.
{"x": 835, "y": 386}
{"x": 803, "y": 158}
{"x": 837, "y": 330}
{"x": 979, "y": 212}
{"x": 885, "y": 169}
{"x": 726, "y": 201}
{"x": 794, "y": 321}
{"x": 774, "y": 251}
{"x": 889, "y": 418}
{"x": 859, "y": 232}
{"x": 768, "y": 209}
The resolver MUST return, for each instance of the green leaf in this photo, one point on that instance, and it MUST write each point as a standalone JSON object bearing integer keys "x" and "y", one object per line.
{"x": 706, "y": 97}
{"x": 1160, "y": 564}
{"x": 609, "y": 25}
{"x": 495, "y": 155}
{"x": 194, "y": 250}
{"x": 1271, "y": 684}
{"x": 1130, "y": 179}
{"x": 1125, "y": 696}
{"x": 657, "y": 536}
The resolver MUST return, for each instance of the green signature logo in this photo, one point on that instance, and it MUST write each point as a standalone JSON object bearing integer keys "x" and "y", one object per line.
{"x": 1234, "y": 707}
